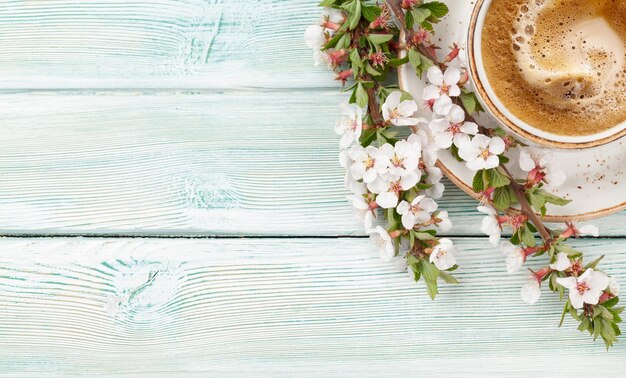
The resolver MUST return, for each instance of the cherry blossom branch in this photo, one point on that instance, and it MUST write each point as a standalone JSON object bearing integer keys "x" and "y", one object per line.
{"x": 428, "y": 51}
{"x": 397, "y": 178}
{"x": 527, "y": 208}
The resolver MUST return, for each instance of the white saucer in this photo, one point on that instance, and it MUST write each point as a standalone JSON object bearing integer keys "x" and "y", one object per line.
{"x": 596, "y": 181}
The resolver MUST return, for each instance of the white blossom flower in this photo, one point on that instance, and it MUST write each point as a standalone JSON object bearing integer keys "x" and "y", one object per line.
{"x": 614, "y": 286}
{"x": 562, "y": 262}
{"x": 443, "y": 255}
{"x": 443, "y": 86}
{"x": 418, "y": 211}
{"x": 399, "y": 263}
{"x": 534, "y": 159}
{"x": 451, "y": 128}
{"x": 429, "y": 149}
{"x": 531, "y": 291}
{"x": 403, "y": 158}
{"x": 589, "y": 230}
{"x": 491, "y": 224}
{"x": 389, "y": 186}
{"x": 349, "y": 128}
{"x": 315, "y": 35}
{"x": 443, "y": 221}
{"x": 434, "y": 177}
{"x": 398, "y": 112}
{"x": 361, "y": 209}
{"x": 344, "y": 159}
{"x": 482, "y": 152}
{"x": 515, "y": 257}
{"x": 585, "y": 289}
{"x": 369, "y": 162}
{"x": 383, "y": 241}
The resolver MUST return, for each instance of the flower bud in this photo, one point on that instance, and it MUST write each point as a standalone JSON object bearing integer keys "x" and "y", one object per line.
{"x": 344, "y": 75}
{"x": 409, "y": 4}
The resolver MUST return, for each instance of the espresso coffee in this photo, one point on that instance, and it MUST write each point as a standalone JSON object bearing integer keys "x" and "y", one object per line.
{"x": 558, "y": 65}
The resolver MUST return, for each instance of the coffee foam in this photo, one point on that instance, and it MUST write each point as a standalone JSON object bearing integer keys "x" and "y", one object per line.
{"x": 570, "y": 57}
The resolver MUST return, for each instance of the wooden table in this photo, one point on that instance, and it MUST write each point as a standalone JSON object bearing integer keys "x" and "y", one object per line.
{"x": 173, "y": 206}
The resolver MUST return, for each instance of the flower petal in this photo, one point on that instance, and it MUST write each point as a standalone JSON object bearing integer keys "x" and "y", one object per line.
{"x": 387, "y": 200}
{"x": 567, "y": 282}
{"x": 576, "y": 299}
{"x": 434, "y": 75}
{"x": 496, "y": 145}
{"x": 452, "y": 76}
{"x": 562, "y": 262}
{"x": 598, "y": 281}
{"x": 531, "y": 291}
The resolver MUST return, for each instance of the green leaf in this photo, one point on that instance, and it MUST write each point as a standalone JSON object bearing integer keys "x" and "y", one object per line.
{"x": 421, "y": 14}
{"x": 379, "y": 39}
{"x": 353, "y": 8}
{"x": 471, "y": 103}
{"x": 414, "y": 58}
{"x": 355, "y": 58}
{"x": 416, "y": 273}
{"x": 503, "y": 198}
{"x": 564, "y": 312}
{"x": 344, "y": 42}
{"x": 367, "y": 137}
{"x": 555, "y": 200}
{"x": 327, "y": 3}
{"x": 497, "y": 179}
{"x": 611, "y": 302}
{"x": 429, "y": 271}
{"x": 398, "y": 61}
{"x": 571, "y": 252}
{"x": 361, "y": 96}
{"x": 537, "y": 201}
{"x": 431, "y": 286}
{"x": 436, "y": 8}
{"x": 370, "y": 12}
{"x": 409, "y": 20}
{"x": 333, "y": 41}
{"x": 454, "y": 150}
{"x": 371, "y": 70}
{"x": 594, "y": 263}
{"x": 424, "y": 236}
{"x": 448, "y": 278}
{"x": 478, "y": 184}
{"x": 527, "y": 237}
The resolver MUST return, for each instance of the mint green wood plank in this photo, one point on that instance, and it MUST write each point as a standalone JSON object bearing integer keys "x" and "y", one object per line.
{"x": 218, "y": 164}
{"x": 303, "y": 307}
{"x": 161, "y": 43}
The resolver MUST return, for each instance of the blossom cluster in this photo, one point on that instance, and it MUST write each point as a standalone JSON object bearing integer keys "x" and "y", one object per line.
{"x": 501, "y": 164}
{"x": 389, "y": 153}
{"x": 387, "y": 150}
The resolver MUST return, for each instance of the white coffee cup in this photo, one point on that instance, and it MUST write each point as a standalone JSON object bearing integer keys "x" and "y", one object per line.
{"x": 509, "y": 121}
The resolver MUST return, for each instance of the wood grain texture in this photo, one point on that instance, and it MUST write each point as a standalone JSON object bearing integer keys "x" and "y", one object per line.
{"x": 157, "y": 44}
{"x": 230, "y": 163}
{"x": 302, "y": 307}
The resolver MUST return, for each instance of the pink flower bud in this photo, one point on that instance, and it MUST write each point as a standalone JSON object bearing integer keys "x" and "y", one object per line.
{"x": 453, "y": 54}
{"x": 395, "y": 234}
{"x": 337, "y": 58}
{"x": 535, "y": 177}
{"x": 343, "y": 76}
{"x": 420, "y": 36}
{"x": 408, "y": 4}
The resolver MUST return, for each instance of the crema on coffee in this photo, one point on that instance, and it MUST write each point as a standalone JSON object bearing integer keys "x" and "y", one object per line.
{"x": 558, "y": 65}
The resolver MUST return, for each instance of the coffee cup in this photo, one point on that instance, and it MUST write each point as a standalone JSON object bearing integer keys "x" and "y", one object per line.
{"x": 530, "y": 76}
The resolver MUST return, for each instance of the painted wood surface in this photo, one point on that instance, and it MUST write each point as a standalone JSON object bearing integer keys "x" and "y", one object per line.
{"x": 227, "y": 163}
{"x": 55, "y": 44}
{"x": 205, "y": 118}
{"x": 296, "y": 307}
